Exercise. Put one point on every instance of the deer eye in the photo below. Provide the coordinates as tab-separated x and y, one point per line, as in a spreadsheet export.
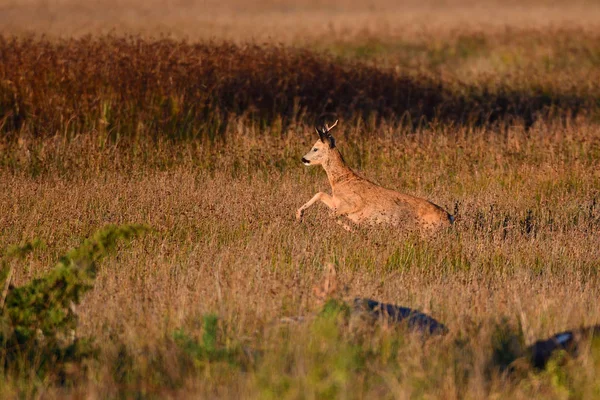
315	149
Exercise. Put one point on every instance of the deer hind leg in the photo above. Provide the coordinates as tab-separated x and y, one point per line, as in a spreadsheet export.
324	197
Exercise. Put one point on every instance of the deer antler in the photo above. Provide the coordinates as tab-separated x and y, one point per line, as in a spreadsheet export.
323	130
328	128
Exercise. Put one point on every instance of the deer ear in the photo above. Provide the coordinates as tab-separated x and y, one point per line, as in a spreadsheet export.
331	141
330	138
322	135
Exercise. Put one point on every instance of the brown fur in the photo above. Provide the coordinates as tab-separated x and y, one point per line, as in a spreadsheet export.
363	201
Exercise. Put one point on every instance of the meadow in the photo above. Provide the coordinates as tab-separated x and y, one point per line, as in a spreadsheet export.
192	121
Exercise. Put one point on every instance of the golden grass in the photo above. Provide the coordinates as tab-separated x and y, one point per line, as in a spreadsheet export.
226	242
106	130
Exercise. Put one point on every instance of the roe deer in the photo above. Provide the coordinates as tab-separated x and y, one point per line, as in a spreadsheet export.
363	201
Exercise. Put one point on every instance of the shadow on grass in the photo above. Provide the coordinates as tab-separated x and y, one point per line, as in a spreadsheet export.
129	86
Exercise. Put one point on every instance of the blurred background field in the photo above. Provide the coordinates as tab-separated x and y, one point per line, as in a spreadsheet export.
191	117
290	21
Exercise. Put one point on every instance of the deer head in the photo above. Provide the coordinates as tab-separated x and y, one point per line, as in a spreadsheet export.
320	151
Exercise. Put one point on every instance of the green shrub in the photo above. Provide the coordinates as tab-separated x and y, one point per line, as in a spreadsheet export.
37	320
209	348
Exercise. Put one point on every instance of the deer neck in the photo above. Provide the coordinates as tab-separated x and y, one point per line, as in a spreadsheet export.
337	170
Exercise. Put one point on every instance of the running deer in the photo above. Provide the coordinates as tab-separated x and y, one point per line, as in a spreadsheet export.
363	201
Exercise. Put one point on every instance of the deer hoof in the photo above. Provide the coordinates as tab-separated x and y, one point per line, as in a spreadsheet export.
299	214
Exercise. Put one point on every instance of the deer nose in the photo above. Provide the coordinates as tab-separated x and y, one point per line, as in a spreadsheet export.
305	161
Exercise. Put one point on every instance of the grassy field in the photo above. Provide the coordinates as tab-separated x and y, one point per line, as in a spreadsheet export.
491	111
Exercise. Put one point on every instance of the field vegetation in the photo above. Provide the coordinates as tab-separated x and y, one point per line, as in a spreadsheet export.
491	111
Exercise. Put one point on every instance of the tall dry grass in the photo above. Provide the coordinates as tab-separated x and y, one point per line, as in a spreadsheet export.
202	140
226	242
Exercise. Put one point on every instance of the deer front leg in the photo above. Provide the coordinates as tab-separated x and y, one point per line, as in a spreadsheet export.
324	197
